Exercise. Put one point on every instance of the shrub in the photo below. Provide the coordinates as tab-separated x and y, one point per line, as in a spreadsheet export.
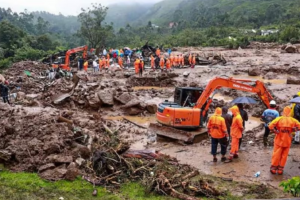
292	186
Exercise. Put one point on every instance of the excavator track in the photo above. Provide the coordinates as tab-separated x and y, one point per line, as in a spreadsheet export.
188	137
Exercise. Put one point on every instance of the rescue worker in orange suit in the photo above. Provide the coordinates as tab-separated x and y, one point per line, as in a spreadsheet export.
168	64
162	63
152	62
190	59
218	131
235	132
137	65
283	127
85	66
193	61
101	63
172	60
120	62
157	52
176	61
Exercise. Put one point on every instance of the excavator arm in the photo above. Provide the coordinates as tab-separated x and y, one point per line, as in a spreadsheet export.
237	84
75	50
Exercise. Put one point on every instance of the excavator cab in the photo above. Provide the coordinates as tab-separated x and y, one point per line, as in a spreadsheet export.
187	96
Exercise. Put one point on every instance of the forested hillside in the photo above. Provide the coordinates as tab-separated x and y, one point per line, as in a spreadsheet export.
230	23
205	13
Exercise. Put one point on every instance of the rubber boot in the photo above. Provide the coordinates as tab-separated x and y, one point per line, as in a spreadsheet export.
265	141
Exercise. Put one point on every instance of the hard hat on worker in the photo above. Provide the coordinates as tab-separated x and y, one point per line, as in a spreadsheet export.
272	102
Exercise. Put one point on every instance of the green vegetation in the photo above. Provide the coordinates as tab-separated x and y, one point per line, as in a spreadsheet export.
228	23
292	186
27	186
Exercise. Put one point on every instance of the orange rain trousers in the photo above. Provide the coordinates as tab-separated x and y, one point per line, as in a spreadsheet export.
234	146
280	155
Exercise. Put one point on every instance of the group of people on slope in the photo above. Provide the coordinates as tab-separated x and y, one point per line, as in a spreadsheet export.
224	128
159	61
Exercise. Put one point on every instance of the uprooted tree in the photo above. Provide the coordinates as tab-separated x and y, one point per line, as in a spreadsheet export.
93	28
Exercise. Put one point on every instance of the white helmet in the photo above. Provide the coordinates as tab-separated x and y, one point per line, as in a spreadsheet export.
273	102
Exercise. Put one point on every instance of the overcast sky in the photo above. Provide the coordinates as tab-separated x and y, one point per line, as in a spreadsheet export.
65	7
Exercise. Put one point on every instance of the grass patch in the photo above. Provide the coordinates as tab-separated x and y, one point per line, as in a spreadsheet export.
29	186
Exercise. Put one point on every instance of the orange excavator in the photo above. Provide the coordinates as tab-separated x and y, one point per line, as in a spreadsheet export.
190	106
64	61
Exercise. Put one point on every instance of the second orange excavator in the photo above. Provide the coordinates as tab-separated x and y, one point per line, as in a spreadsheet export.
64	61
190	106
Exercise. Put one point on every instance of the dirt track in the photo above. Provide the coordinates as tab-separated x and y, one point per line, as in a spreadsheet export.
105	98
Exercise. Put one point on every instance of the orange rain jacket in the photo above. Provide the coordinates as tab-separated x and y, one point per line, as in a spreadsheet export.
137	66
190	59
194	60
216	125
152	61
284	126
237	123
162	62
85	66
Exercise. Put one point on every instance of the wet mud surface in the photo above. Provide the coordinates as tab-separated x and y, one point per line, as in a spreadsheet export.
40	135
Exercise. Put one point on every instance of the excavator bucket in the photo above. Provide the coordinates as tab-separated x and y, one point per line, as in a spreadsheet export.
188	137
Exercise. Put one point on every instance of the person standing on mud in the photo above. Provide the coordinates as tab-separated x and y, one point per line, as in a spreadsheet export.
141	68
297	117
283	127
268	116
193	61
244	115
157	61
162	63
137	66
235	132
228	119
4	92
152	62
80	61
217	129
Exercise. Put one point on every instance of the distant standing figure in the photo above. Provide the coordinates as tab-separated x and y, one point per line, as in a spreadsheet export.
95	66
152	62
141	68
81	61
128	61
169	52
157	52
157	61
85	66
4	92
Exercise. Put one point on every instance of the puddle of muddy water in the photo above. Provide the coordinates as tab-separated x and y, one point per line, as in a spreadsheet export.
150	88
143	121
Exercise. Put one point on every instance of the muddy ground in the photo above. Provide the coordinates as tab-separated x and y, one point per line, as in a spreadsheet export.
53	124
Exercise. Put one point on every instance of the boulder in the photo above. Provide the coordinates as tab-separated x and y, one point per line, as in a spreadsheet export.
46	167
151	108
106	97
72	172
193	84
94	101
186	74
254	72
134	111
54	174
291	49
20	96
293	80
125	98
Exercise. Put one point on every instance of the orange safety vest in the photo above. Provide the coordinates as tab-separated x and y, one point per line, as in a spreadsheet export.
162	62
136	66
